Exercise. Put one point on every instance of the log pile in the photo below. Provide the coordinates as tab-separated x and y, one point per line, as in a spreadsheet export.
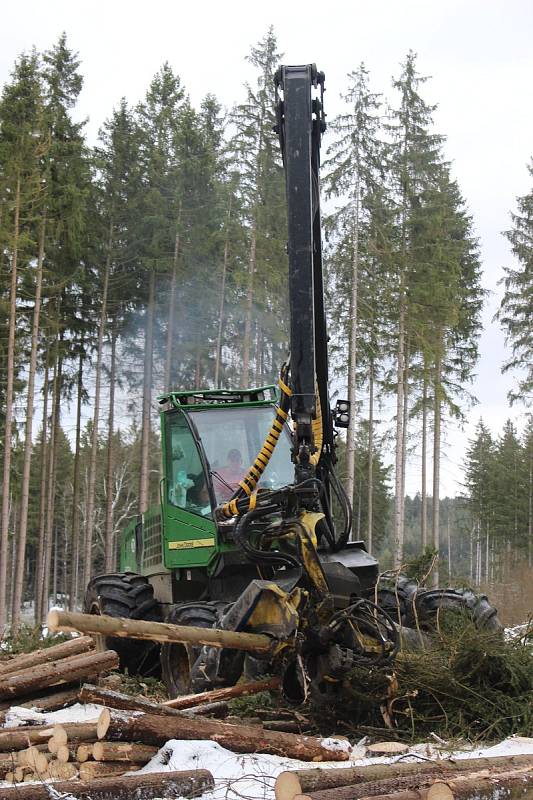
101	759
128	733
45	679
467	779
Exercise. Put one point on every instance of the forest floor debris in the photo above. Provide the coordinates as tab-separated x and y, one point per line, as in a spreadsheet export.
443	702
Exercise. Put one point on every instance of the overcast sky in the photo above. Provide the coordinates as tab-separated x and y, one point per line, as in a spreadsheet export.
478	53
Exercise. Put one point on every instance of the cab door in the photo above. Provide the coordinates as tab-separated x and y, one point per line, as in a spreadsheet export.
189	532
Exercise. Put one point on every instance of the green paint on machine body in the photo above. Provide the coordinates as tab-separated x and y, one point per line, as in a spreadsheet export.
201	432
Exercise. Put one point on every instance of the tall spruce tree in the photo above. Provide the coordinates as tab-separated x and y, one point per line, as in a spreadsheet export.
263	202
68	177
158	224
355	167
516	309
21	148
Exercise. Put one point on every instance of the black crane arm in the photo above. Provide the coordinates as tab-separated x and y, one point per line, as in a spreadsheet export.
300	125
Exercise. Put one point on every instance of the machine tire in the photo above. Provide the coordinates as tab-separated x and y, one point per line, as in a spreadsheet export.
177	659
415	607
126	594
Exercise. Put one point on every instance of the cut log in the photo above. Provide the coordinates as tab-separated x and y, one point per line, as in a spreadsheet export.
398	783
78	732
60	736
32	757
52	673
170	785
104	769
157	631
62	771
82	644
240	690
20	772
387	748
8	761
123	751
127	727
65	753
313	780
23	755
22	737
84	752
47	702
475	786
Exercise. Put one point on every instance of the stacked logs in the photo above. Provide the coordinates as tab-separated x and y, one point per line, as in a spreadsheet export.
77	755
96	758
38	679
467	779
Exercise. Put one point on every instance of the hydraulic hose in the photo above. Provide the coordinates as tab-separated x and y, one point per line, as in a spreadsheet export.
248	485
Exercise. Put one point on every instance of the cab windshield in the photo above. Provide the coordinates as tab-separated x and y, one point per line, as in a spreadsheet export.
232	438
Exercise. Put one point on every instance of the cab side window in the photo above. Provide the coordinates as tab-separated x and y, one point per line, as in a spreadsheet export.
186	484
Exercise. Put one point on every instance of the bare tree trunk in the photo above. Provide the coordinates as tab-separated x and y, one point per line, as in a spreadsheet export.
172	304
424	518
147	397
487	553
42	499
55	568
12	559
221	309
52	463
246	345
91	495
472	554
4	529
109	539
530	508
405	426
28	443
352	353
370	459
258	380
75	517
198	362
449	544
398	482
436	468
359	506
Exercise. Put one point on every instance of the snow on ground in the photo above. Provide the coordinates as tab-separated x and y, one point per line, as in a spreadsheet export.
251	776
17	715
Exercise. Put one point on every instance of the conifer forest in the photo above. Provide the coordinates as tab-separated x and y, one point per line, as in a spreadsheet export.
155	258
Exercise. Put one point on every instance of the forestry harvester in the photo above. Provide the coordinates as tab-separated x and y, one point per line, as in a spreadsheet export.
244	538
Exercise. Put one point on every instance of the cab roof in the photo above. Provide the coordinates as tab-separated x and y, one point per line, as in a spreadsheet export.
207	398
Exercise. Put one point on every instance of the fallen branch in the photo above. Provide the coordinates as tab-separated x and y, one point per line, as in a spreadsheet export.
240	690
125	702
